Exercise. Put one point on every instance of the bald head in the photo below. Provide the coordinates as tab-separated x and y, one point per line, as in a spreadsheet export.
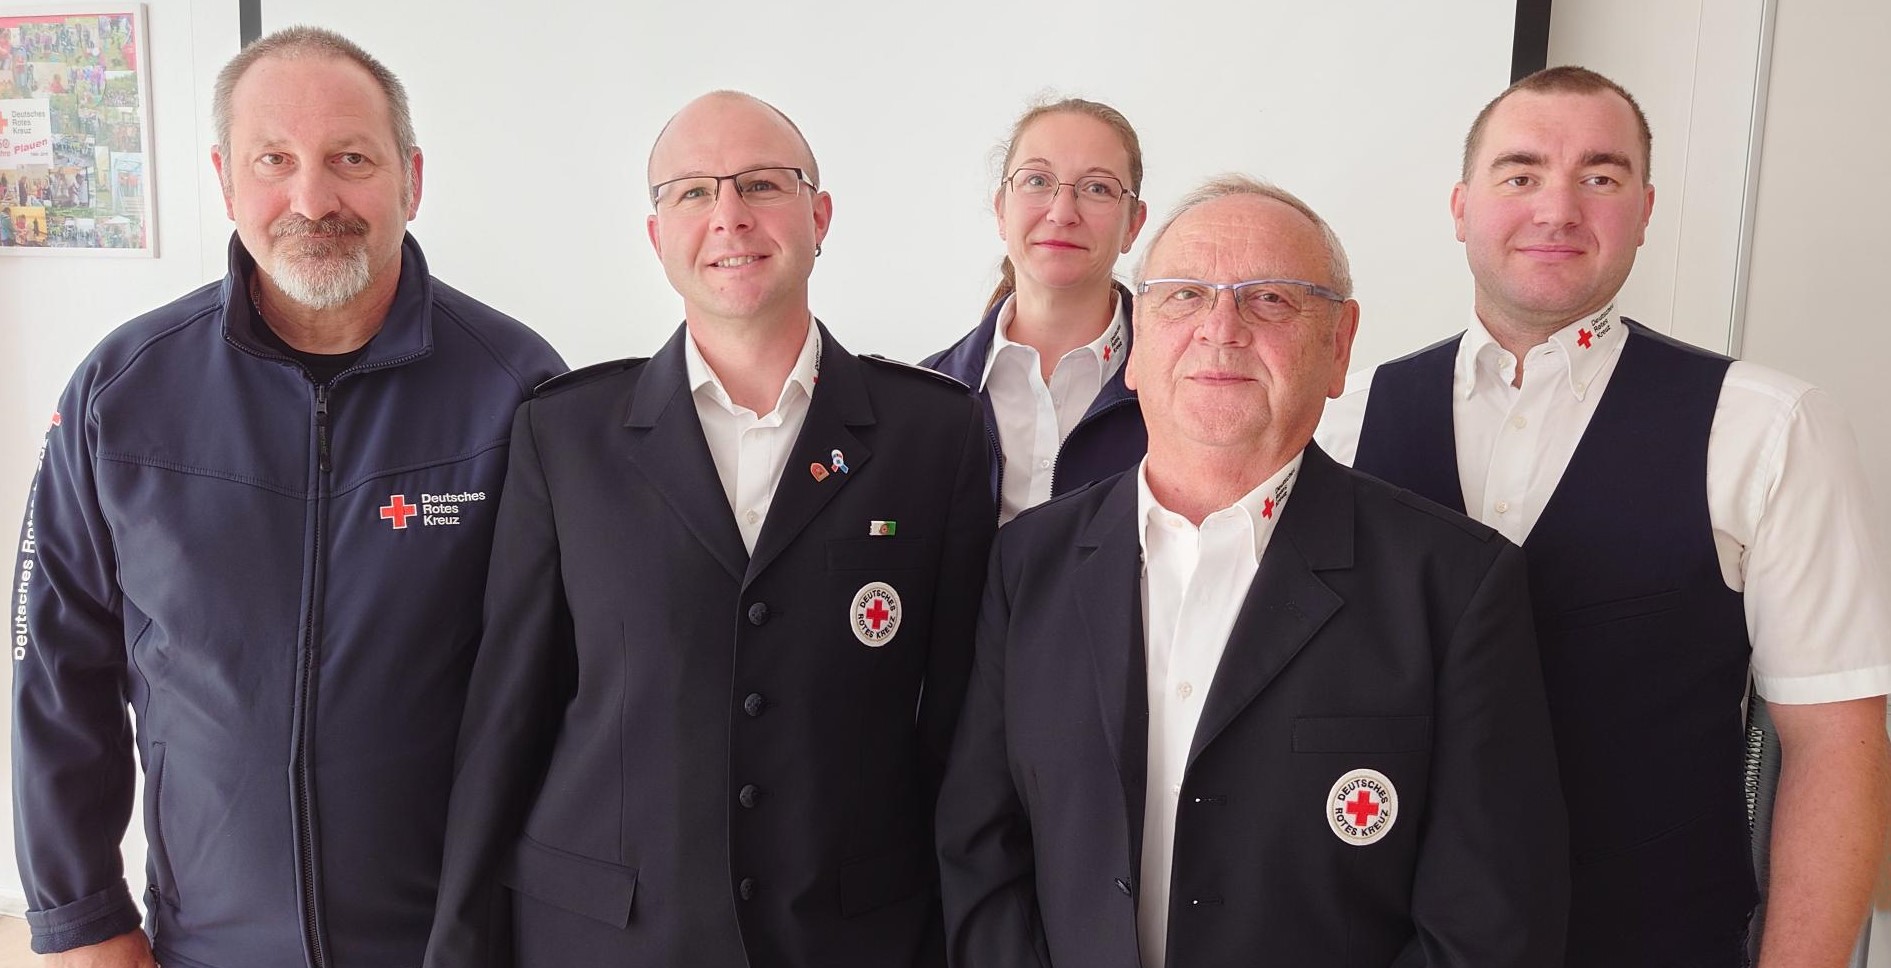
729	117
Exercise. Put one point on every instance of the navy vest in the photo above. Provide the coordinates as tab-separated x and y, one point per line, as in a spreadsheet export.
1645	649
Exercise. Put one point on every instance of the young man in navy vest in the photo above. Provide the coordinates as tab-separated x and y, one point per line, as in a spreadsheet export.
1692	524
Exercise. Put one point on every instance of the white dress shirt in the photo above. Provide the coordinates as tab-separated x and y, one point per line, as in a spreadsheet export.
1194	581
1034	417
1787	496
750	452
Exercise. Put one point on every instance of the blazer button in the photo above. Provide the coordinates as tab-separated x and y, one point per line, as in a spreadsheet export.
1123	885
746	889
753	704
749	795
758	614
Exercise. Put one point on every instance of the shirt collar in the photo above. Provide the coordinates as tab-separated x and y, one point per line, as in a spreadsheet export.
1107	347
1261	507
1583	346
805	374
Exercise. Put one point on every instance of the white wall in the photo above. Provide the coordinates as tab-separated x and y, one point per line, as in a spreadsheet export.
537	130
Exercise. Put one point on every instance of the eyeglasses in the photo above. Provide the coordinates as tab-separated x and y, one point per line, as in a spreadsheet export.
1039	187
1259	301
758	188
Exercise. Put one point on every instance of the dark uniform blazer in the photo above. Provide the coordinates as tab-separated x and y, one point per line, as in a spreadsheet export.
676	754
1381	633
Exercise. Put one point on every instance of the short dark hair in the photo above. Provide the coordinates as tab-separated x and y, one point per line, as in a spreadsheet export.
1567	79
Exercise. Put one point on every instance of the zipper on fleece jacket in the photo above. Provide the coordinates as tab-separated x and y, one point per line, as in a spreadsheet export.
305	702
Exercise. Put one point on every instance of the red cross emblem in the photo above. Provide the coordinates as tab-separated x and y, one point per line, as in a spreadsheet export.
874	614
398	511
1267	507
1106	354
1362	808
3	124
1582	338
55	412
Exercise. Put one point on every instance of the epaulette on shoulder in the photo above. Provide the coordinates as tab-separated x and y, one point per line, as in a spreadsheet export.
950	381
585	375
1416	501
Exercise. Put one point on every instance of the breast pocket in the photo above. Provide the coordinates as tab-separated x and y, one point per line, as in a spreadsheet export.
1616	610
886	584
1361	734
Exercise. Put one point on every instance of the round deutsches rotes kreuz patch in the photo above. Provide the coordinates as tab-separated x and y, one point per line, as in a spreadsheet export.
1362	807
875	614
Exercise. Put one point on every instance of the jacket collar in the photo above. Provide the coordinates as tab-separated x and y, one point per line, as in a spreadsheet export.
1285	606
964	361
669	447
406	333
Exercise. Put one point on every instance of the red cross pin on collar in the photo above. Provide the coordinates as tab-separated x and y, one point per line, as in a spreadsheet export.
1267	507
1582	338
397	511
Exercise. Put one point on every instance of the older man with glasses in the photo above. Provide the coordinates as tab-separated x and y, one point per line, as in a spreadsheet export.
731	616
1240	705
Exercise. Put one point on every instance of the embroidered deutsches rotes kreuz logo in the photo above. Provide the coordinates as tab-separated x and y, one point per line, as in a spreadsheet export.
435	510
1362	807
875	614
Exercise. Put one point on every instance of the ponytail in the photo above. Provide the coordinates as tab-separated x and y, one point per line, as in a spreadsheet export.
1007	284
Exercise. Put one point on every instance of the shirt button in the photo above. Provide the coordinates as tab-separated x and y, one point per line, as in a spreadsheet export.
1501	506
1176	790
1043	464
751	516
758	613
1185	690
1518	421
749	795
753	703
746	888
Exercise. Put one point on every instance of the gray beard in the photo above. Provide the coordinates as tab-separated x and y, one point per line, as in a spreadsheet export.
323	280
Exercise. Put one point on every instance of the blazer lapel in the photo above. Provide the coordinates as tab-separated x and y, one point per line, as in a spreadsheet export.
1287	603
840	403
667	445
1109	570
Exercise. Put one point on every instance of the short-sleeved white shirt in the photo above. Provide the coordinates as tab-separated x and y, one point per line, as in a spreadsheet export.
1791	509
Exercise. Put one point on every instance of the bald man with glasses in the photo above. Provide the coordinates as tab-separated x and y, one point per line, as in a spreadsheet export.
731	617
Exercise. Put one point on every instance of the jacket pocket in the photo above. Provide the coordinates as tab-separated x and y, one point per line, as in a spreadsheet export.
163	879
594	888
1361	734
877	880
1615	610
879	554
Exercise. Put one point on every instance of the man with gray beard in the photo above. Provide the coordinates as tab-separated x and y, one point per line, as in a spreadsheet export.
259	531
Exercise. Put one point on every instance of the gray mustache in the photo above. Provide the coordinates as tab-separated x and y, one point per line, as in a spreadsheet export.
296	226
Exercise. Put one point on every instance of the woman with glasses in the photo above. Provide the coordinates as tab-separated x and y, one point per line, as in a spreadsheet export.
1048	357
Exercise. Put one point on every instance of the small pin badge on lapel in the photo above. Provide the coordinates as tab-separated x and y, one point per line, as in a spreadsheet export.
882	529
819	470
840	462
